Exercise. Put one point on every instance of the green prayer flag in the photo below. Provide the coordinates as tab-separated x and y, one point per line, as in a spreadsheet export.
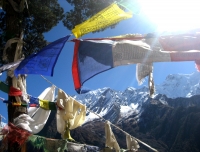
52	106
4	87
48	105
48	144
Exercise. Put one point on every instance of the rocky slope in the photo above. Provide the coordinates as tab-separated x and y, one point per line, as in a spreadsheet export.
166	127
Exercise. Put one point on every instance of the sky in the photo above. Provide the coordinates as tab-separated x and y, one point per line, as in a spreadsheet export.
118	78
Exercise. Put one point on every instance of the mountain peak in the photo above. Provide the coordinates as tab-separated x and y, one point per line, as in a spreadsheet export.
180	85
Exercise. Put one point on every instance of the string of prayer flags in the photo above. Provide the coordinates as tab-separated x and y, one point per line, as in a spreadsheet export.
108	16
131	5
34	102
93	56
44	61
15	103
45	104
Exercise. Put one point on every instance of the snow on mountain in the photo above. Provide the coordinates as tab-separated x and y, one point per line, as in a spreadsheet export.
180	85
112	104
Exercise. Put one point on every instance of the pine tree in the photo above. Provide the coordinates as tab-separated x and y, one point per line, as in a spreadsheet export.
83	10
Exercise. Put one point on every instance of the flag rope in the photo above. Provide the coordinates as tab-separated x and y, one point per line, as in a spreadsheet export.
110	122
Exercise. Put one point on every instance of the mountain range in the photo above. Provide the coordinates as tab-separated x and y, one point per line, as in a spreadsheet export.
168	122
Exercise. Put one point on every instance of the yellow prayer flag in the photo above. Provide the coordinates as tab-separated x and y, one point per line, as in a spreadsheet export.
108	16
44	104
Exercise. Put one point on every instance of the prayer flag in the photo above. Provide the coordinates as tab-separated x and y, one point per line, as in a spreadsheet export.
92	57
10	65
34	102
4	87
180	42
108	16
44	61
48	105
14	92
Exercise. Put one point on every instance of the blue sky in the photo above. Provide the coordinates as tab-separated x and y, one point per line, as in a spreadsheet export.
118	78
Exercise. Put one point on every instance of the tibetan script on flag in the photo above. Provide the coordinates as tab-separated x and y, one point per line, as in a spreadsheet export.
108	16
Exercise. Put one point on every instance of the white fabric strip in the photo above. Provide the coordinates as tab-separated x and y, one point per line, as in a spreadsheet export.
110	137
133	52
39	115
69	111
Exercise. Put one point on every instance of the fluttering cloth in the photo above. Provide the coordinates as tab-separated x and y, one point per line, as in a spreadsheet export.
44	61
40	115
92	57
95	56
131	143
70	114
110	137
23	121
142	69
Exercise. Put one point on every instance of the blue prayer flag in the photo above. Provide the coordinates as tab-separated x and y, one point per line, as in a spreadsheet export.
34	102
92	57
44	61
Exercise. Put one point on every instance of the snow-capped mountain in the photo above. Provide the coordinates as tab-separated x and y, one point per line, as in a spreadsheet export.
180	85
115	104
